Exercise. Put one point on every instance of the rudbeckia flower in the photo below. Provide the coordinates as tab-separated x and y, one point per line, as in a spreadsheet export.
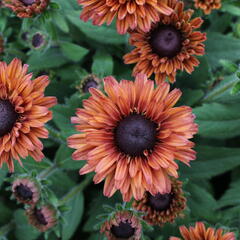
132	136
23	112
170	45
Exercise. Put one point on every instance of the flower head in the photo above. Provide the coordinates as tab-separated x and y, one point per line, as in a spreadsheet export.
207	6
26	8
26	191
89	81
169	45
199	232
23	112
124	225
129	14
42	218
38	40
162	208
131	137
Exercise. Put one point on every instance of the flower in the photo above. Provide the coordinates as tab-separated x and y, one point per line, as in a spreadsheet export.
162	208
207	5
199	232
124	225
169	45
131	137
89	81
129	14
42	218
23	112
26	8
26	191
38	40
1	44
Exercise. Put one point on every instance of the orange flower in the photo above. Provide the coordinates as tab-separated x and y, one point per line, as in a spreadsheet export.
162	208
129	14
42	218
207	5
199	232
131	137
26	8
124	225
169	45
23	112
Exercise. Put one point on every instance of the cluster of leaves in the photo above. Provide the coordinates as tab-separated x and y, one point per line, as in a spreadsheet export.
75	49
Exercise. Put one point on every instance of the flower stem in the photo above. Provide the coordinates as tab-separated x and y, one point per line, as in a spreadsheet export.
47	172
80	187
55	135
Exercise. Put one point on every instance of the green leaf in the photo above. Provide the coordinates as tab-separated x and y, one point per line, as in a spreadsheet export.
102	64
73	217
201	202
223	49
103	34
211	161
231	197
218	120
236	89
45	60
23	229
73	51
64	159
60	21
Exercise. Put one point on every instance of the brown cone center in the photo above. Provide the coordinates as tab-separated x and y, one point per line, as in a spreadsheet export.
40	217
89	83
134	134
37	40
160	202
27	2
24	192
123	231
8	117
166	41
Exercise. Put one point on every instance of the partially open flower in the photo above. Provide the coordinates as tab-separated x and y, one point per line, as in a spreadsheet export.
24	110
42	218
124	225
132	136
1	44
200	232
26	191
169	45
128	14
208	5
26	8
89	81
162	208
38	40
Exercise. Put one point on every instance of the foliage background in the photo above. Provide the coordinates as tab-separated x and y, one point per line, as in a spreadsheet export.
73	50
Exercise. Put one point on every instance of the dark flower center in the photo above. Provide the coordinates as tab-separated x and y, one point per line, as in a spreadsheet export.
37	40
8	117
27	2
124	230
134	134
40	217
89	83
24	192
166	41
160	202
